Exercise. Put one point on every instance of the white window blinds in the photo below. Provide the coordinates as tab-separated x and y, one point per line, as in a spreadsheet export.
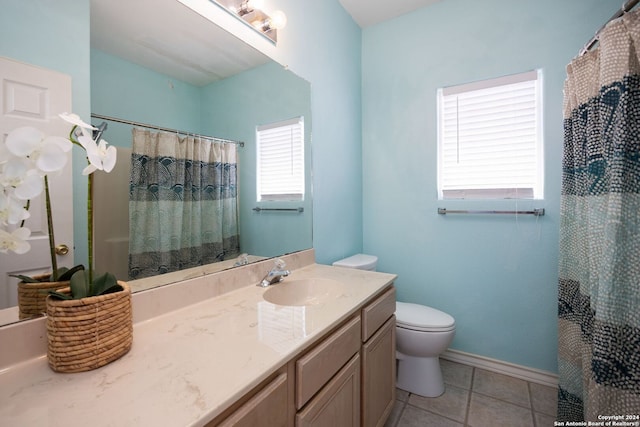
280	160
489	138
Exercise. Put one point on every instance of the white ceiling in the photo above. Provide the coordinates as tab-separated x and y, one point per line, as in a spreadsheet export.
197	51
370	12
145	32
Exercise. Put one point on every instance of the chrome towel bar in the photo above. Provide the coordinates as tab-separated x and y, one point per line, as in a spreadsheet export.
300	209
535	212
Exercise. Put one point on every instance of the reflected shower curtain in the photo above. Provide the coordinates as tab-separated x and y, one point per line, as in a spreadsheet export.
599	269
182	203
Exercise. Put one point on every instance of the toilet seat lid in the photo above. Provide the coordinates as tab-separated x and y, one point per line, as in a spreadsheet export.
359	261
421	317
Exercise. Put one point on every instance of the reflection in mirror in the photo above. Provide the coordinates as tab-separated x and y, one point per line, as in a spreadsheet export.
180	204
175	69
178	70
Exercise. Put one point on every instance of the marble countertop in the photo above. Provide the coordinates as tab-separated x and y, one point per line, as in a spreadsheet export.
185	366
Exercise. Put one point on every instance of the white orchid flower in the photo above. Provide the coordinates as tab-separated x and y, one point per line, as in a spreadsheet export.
15	241
12	211
48	153
74	119
101	156
25	182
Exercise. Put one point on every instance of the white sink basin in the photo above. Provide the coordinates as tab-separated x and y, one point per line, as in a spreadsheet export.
303	291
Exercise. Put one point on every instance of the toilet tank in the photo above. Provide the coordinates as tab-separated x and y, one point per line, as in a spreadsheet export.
359	261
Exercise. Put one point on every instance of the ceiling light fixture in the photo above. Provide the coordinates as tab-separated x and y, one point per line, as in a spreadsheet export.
248	6
276	21
251	11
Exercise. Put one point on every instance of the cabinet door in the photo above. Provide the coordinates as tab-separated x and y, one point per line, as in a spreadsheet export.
267	408
379	375
338	403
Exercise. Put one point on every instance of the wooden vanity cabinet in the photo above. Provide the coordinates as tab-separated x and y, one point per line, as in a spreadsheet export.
267	405
328	380
379	375
346	379
338	403
335	404
378	359
318	366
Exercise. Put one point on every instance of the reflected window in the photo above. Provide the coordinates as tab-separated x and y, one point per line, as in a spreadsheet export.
280	160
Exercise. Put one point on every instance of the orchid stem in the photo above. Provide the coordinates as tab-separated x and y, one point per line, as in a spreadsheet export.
26	208
52	244
90	225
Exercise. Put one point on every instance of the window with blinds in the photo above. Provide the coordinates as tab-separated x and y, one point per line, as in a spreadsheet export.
490	139
280	161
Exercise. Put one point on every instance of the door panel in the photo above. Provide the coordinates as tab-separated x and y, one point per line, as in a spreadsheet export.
33	96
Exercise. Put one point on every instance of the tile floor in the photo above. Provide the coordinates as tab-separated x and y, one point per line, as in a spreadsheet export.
475	397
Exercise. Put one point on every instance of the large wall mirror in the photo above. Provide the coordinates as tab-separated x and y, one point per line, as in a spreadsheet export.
157	62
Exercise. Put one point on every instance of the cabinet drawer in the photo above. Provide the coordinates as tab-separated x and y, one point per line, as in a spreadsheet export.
314	369
375	314
267	408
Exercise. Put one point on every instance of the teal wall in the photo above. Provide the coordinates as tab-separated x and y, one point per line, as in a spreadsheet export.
497	275
55	35
125	90
122	89
322	44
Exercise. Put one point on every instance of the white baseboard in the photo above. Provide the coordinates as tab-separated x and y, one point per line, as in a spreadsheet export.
525	373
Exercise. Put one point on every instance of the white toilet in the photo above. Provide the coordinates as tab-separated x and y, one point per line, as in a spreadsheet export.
422	334
359	261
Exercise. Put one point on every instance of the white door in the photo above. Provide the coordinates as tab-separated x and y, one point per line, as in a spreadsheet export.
32	96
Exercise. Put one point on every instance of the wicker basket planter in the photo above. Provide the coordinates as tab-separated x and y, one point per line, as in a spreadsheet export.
32	296
88	333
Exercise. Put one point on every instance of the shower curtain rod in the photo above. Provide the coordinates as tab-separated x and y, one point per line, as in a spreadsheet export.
143	125
626	7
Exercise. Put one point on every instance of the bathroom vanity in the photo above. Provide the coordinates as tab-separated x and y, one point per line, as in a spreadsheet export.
347	378
231	358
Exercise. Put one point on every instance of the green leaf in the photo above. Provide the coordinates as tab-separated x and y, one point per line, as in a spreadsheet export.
81	288
59	295
25	279
55	276
105	284
65	273
112	289
80	284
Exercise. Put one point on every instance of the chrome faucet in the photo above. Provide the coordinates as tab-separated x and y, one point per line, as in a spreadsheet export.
243	259
275	275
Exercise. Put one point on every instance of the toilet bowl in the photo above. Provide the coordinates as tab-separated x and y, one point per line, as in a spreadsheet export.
422	334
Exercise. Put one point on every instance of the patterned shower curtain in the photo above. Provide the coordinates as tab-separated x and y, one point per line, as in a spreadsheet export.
182	203
599	269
